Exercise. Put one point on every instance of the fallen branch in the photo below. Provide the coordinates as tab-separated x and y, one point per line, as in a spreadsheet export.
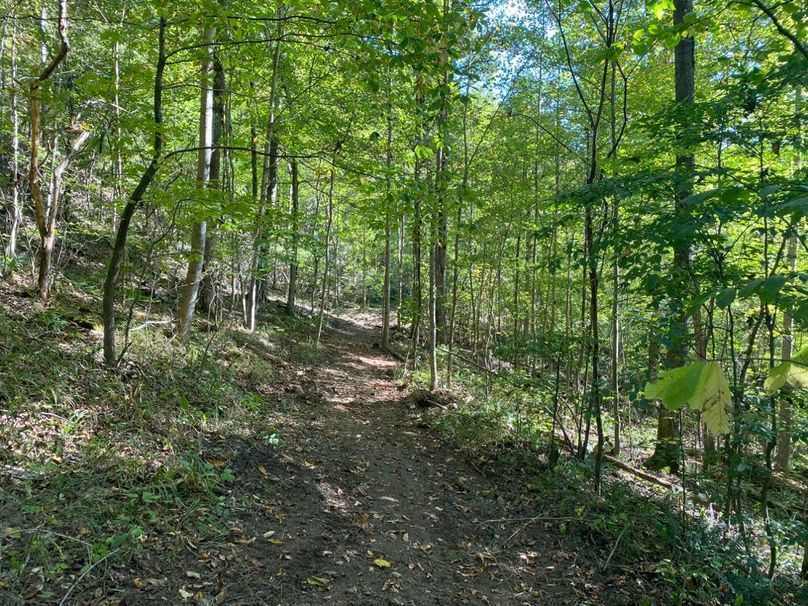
614	548
398	356
649	477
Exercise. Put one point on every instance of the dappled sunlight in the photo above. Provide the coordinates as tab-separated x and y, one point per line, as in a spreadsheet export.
334	496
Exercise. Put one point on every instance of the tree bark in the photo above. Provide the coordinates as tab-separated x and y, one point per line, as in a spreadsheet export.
294	196
388	223
208	286
327	256
786	406
16	211
119	248
270	147
666	452
199	229
45	214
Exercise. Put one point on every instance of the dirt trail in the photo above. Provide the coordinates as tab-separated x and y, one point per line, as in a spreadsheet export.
362	505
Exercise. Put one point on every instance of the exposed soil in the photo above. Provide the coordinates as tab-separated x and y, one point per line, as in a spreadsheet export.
361	504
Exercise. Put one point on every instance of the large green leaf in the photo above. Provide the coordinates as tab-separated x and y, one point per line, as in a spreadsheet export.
702	387
793	371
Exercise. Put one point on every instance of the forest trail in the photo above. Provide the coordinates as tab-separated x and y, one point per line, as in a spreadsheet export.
363	505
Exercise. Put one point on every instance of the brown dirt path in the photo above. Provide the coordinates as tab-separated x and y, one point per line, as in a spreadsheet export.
358	484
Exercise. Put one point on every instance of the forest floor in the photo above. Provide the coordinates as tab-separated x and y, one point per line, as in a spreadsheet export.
322	483
363	505
264	469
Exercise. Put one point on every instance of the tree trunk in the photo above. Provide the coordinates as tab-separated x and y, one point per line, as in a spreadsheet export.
432	301
327	256
388	223
16	211
270	149
294	195
786	406
615	369
199	229
666	453
119	248
45	214
208	286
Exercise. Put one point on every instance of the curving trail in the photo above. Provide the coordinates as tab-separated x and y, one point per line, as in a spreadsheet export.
363	505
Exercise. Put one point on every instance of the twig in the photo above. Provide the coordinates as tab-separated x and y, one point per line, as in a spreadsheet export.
533	519
614	548
85	573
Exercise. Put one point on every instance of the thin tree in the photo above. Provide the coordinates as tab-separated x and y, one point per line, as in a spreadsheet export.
135	199
666	452
46	208
294	196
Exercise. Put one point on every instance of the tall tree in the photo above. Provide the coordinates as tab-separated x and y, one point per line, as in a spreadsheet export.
46	207
199	228
666	453
134	201
294	264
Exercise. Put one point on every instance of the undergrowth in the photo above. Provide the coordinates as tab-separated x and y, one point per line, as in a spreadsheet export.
691	553
98	464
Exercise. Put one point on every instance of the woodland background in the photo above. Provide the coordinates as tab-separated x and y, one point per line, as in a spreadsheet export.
583	223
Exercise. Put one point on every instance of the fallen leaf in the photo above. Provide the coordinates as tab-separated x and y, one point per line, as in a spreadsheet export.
381	563
317	582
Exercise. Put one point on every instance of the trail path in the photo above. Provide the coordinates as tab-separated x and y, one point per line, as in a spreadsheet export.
363	505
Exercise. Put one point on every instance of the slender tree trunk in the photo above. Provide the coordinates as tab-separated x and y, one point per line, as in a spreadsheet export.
119	248
388	223
615	369
786	406
16	211
417	292
327	256
208	286
118	160
294	195
48	238
45	214
432	302
199	229
402	227
666	453
269	161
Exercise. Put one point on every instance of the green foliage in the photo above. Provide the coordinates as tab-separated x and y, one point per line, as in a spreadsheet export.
793	371
702	387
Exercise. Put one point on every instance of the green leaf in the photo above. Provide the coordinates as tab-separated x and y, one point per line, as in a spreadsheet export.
771	286
701	387
725	297
793	371
422	152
